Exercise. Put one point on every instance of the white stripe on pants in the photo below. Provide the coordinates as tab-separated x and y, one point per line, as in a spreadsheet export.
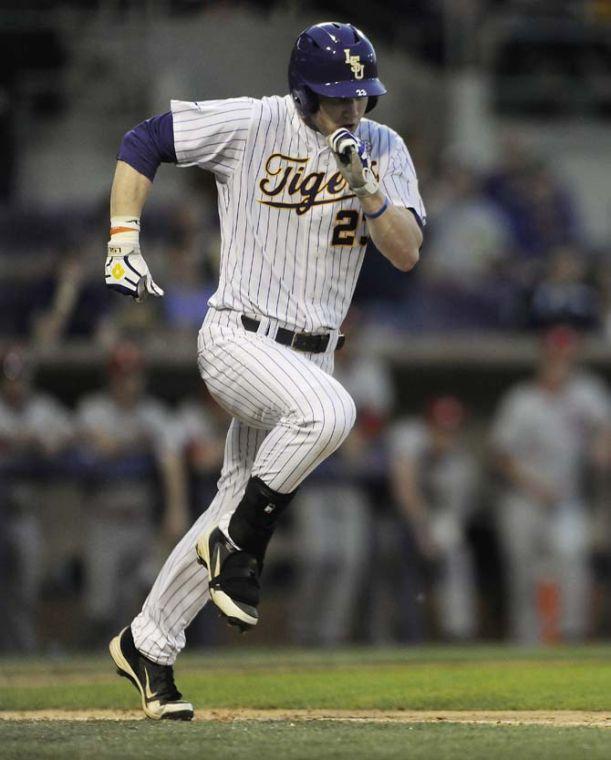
289	414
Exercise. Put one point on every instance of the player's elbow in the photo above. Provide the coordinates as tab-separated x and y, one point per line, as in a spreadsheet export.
407	259
408	246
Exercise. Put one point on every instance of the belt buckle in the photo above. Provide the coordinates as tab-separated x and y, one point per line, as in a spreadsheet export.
321	341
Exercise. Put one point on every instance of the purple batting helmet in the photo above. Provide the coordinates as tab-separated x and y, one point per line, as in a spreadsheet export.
336	61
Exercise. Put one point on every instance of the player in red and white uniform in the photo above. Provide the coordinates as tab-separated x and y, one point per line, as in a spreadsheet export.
546	431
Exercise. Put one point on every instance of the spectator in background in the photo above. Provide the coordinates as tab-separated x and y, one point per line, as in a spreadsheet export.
200	427
541	211
434	479
65	298
466	252
20	278
190	272
333	509
332	519
546	431
70	303
128	442
186	291
34	431
603	278
564	296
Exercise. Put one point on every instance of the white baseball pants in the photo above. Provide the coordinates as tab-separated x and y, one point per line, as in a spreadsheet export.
289	414
545	544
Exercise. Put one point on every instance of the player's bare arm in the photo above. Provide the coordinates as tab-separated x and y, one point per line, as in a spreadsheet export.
395	233
126	270
412	503
393	229
176	516
129	192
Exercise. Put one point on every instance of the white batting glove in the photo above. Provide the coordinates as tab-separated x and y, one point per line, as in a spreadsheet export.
353	161
127	272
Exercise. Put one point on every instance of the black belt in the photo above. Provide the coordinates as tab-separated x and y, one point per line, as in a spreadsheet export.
312	343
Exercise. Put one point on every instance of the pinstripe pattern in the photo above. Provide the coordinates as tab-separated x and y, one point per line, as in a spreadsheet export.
279	196
307	412
181	590
278	260
289	415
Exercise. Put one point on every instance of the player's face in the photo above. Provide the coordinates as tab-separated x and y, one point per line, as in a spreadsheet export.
15	391
555	372
334	113
127	388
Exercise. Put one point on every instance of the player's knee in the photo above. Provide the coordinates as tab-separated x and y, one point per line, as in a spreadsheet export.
334	421
350	413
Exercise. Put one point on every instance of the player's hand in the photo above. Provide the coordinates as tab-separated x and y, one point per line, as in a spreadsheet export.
127	272
537	488
427	546
353	161
544	493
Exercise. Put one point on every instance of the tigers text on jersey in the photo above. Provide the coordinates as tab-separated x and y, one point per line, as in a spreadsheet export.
293	234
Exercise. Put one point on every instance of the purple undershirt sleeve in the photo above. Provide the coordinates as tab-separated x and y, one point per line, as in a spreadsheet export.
149	144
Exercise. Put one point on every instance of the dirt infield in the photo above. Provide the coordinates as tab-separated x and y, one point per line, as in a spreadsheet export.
561	718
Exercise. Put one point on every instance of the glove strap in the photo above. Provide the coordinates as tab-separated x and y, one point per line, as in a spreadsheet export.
369	188
124	229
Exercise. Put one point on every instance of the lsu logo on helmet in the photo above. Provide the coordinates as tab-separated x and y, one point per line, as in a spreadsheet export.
354	61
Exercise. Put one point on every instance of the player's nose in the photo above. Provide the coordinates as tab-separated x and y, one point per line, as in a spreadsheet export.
351	106
350	112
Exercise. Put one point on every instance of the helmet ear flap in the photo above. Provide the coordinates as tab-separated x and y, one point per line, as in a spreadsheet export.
371	103
305	100
313	101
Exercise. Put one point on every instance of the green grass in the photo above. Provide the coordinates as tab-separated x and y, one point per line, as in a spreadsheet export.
436	678
465	678
243	741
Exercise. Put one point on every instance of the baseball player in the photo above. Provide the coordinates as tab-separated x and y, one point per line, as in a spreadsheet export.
303	181
434	480
333	507
546	432
125	434
34	430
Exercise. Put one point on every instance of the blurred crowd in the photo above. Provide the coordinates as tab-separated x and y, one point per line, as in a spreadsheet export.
505	250
448	523
442	524
416	529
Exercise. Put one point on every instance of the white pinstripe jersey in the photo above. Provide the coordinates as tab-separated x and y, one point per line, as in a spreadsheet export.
293	235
